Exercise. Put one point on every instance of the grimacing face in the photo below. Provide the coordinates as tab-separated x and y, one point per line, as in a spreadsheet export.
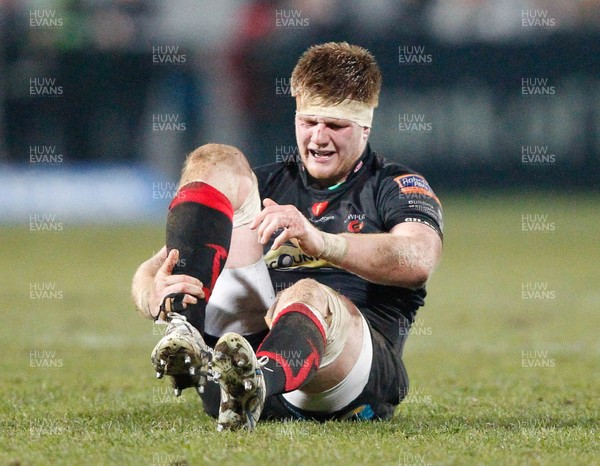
329	147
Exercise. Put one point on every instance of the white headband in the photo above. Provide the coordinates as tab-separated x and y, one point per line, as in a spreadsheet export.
352	110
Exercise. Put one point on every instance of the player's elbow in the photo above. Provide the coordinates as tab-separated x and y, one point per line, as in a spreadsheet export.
416	278
414	274
416	264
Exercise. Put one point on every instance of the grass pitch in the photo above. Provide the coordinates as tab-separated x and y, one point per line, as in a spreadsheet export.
504	359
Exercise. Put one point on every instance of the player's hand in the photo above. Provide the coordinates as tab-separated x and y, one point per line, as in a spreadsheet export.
165	283
294	227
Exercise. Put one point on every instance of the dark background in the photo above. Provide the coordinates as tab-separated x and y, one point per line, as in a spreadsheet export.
232	84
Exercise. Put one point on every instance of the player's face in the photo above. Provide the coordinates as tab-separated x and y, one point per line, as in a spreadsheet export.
329	147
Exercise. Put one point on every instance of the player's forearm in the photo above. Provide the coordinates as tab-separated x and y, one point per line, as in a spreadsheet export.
384	258
142	284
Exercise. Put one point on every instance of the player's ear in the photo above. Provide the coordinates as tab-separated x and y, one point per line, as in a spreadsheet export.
366	132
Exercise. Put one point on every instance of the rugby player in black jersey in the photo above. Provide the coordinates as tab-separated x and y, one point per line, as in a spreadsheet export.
347	238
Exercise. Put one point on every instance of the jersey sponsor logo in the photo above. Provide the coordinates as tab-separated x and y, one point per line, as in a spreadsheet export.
415	184
318	208
420	220
355	226
290	257
321	219
355	222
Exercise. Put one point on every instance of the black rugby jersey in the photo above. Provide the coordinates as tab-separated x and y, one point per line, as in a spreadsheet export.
377	195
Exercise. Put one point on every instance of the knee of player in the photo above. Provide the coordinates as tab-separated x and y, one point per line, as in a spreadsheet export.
306	291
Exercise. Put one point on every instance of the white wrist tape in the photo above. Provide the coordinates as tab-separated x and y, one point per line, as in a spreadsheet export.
334	249
250	208
142	302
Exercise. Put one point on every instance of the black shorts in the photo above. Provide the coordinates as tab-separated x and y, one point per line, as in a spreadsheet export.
386	387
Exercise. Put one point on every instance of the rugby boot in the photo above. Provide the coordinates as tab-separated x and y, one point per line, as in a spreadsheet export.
182	354
235	368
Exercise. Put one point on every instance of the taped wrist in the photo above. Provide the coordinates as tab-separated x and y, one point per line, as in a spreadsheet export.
334	249
142	302
250	208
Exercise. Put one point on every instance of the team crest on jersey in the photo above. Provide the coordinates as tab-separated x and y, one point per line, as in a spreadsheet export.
318	208
415	184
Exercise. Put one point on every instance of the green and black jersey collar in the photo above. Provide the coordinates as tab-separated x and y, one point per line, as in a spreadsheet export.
363	160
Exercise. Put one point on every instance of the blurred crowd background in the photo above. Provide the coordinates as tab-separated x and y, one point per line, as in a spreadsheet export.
138	84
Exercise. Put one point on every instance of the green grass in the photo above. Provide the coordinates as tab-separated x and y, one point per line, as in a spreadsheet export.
471	399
